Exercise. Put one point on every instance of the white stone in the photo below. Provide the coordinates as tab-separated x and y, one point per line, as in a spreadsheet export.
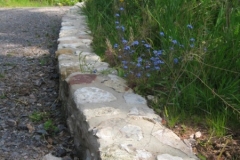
50	157
167	137
198	134
132	132
132	98
68	63
168	157
117	83
100	112
143	154
92	95
128	147
134	111
105	133
113	152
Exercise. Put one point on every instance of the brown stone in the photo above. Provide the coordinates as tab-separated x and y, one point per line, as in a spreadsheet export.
82	78
64	51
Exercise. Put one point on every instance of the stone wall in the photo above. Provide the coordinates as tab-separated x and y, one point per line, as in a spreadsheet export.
107	120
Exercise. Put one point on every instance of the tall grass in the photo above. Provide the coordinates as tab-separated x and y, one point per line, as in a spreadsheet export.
184	52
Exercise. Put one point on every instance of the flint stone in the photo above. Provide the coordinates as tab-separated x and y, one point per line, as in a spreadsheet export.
117	83
100	112
132	132
92	95
143	154
168	157
50	157
11	122
166	136
132	98
113	152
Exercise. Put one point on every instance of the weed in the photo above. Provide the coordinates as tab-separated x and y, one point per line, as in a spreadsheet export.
3	96
2	75
43	61
49	126
38	116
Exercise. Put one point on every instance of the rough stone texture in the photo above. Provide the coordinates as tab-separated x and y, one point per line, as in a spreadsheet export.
108	121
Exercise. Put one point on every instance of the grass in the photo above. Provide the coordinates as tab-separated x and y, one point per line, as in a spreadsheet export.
38	116
36	3
2	75
184	53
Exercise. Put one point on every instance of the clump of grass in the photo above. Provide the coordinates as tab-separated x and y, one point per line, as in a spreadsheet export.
49	126
2	75
185	53
38	116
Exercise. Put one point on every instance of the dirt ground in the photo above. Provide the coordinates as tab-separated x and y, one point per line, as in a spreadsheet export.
31	122
208	146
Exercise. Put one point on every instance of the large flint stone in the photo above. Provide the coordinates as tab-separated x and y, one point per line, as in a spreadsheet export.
132	132
168	157
166	136
92	95
117	83
132	98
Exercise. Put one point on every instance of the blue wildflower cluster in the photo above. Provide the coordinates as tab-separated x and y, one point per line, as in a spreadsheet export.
138	58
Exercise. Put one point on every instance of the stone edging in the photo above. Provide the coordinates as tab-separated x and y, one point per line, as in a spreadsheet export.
107	120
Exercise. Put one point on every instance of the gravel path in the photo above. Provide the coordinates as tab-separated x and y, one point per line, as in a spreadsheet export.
31	123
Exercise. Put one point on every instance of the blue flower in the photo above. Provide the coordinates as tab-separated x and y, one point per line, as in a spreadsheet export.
138	65
157	53
132	51
135	43
174	41
125	67
121	8
116	22
175	60
117	15
189	26
124	62
139	59
123	28
181	45
138	75
117	27
192	39
157	67
127	48
148	74
162	34
115	45
191	45
124	41
147	45
147	66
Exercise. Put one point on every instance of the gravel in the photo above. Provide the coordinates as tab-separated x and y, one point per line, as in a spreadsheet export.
31	122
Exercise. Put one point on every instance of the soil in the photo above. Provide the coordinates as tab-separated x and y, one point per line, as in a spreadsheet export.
31	122
208	146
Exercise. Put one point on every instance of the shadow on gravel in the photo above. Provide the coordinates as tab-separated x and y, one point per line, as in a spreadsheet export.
31	122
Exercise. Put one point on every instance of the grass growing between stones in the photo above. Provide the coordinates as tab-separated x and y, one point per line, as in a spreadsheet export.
184	53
